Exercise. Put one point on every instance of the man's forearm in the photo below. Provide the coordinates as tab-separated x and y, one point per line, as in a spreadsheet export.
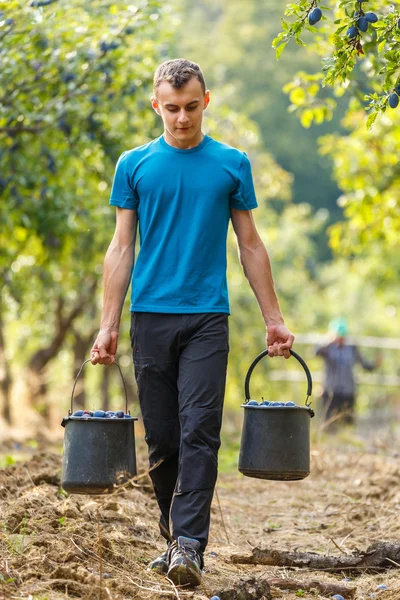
257	268
118	265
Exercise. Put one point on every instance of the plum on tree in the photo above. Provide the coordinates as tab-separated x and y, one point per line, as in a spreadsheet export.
371	17
362	24
352	32
314	16
393	100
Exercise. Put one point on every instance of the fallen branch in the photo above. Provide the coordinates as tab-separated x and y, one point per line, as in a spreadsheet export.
260	587
324	587
380	555
252	589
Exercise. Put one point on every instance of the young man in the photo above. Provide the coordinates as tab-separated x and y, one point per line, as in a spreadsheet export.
183	188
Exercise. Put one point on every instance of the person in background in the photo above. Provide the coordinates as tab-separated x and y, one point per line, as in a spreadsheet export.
339	390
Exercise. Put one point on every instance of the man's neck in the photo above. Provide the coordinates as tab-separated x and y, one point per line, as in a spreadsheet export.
183	144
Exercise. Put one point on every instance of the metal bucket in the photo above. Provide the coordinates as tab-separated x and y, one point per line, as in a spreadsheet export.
98	452
276	439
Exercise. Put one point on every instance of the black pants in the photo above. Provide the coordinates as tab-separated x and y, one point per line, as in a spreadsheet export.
336	403
180	367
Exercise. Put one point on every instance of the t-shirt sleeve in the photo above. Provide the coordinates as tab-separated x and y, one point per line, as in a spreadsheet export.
122	192
244	197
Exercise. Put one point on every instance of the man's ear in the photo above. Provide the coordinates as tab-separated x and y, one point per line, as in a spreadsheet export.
155	105
206	99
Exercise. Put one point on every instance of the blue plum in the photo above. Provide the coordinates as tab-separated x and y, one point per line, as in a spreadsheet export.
252	403
393	100
362	24
78	413
215	598
68	77
352	32
314	16
397	89
290	404
99	413
337	597
371	17
128	417
276	404
120	414
265	403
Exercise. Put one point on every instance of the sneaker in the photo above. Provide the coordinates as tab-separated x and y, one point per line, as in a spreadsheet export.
185	562
160	564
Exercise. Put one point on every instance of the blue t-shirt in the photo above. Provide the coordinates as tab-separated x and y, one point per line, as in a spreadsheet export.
183	200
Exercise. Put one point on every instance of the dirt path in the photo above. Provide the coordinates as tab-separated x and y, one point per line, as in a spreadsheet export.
53	546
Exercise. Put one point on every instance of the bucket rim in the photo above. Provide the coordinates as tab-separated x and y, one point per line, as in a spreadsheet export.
101	419
285	408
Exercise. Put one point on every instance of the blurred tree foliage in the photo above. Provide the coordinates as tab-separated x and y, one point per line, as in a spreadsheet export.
74	83
366	167
359	43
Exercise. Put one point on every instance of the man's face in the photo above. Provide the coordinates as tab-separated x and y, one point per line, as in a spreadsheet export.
181	109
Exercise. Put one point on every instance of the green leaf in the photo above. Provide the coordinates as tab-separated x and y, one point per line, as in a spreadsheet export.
371	119
280	49
306	118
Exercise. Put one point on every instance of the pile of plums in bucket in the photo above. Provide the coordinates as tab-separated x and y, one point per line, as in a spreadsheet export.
109	414
267	403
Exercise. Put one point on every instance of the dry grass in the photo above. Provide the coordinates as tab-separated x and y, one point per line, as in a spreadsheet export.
55	546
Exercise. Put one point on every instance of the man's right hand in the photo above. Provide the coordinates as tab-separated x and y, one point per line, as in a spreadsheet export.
105	348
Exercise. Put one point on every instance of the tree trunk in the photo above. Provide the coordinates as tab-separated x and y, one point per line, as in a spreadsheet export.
5	374
81	349
36	367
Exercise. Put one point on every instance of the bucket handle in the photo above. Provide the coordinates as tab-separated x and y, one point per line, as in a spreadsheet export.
265	353
71	410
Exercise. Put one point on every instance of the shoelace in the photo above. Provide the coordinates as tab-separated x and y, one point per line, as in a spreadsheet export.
189	552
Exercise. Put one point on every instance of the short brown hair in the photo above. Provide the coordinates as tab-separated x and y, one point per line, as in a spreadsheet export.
178	72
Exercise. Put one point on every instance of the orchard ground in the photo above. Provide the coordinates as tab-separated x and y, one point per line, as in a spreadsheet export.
55	546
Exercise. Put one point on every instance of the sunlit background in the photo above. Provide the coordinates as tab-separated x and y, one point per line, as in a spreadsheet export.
75	85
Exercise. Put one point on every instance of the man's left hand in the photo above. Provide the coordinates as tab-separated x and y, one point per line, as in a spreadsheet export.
279	340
